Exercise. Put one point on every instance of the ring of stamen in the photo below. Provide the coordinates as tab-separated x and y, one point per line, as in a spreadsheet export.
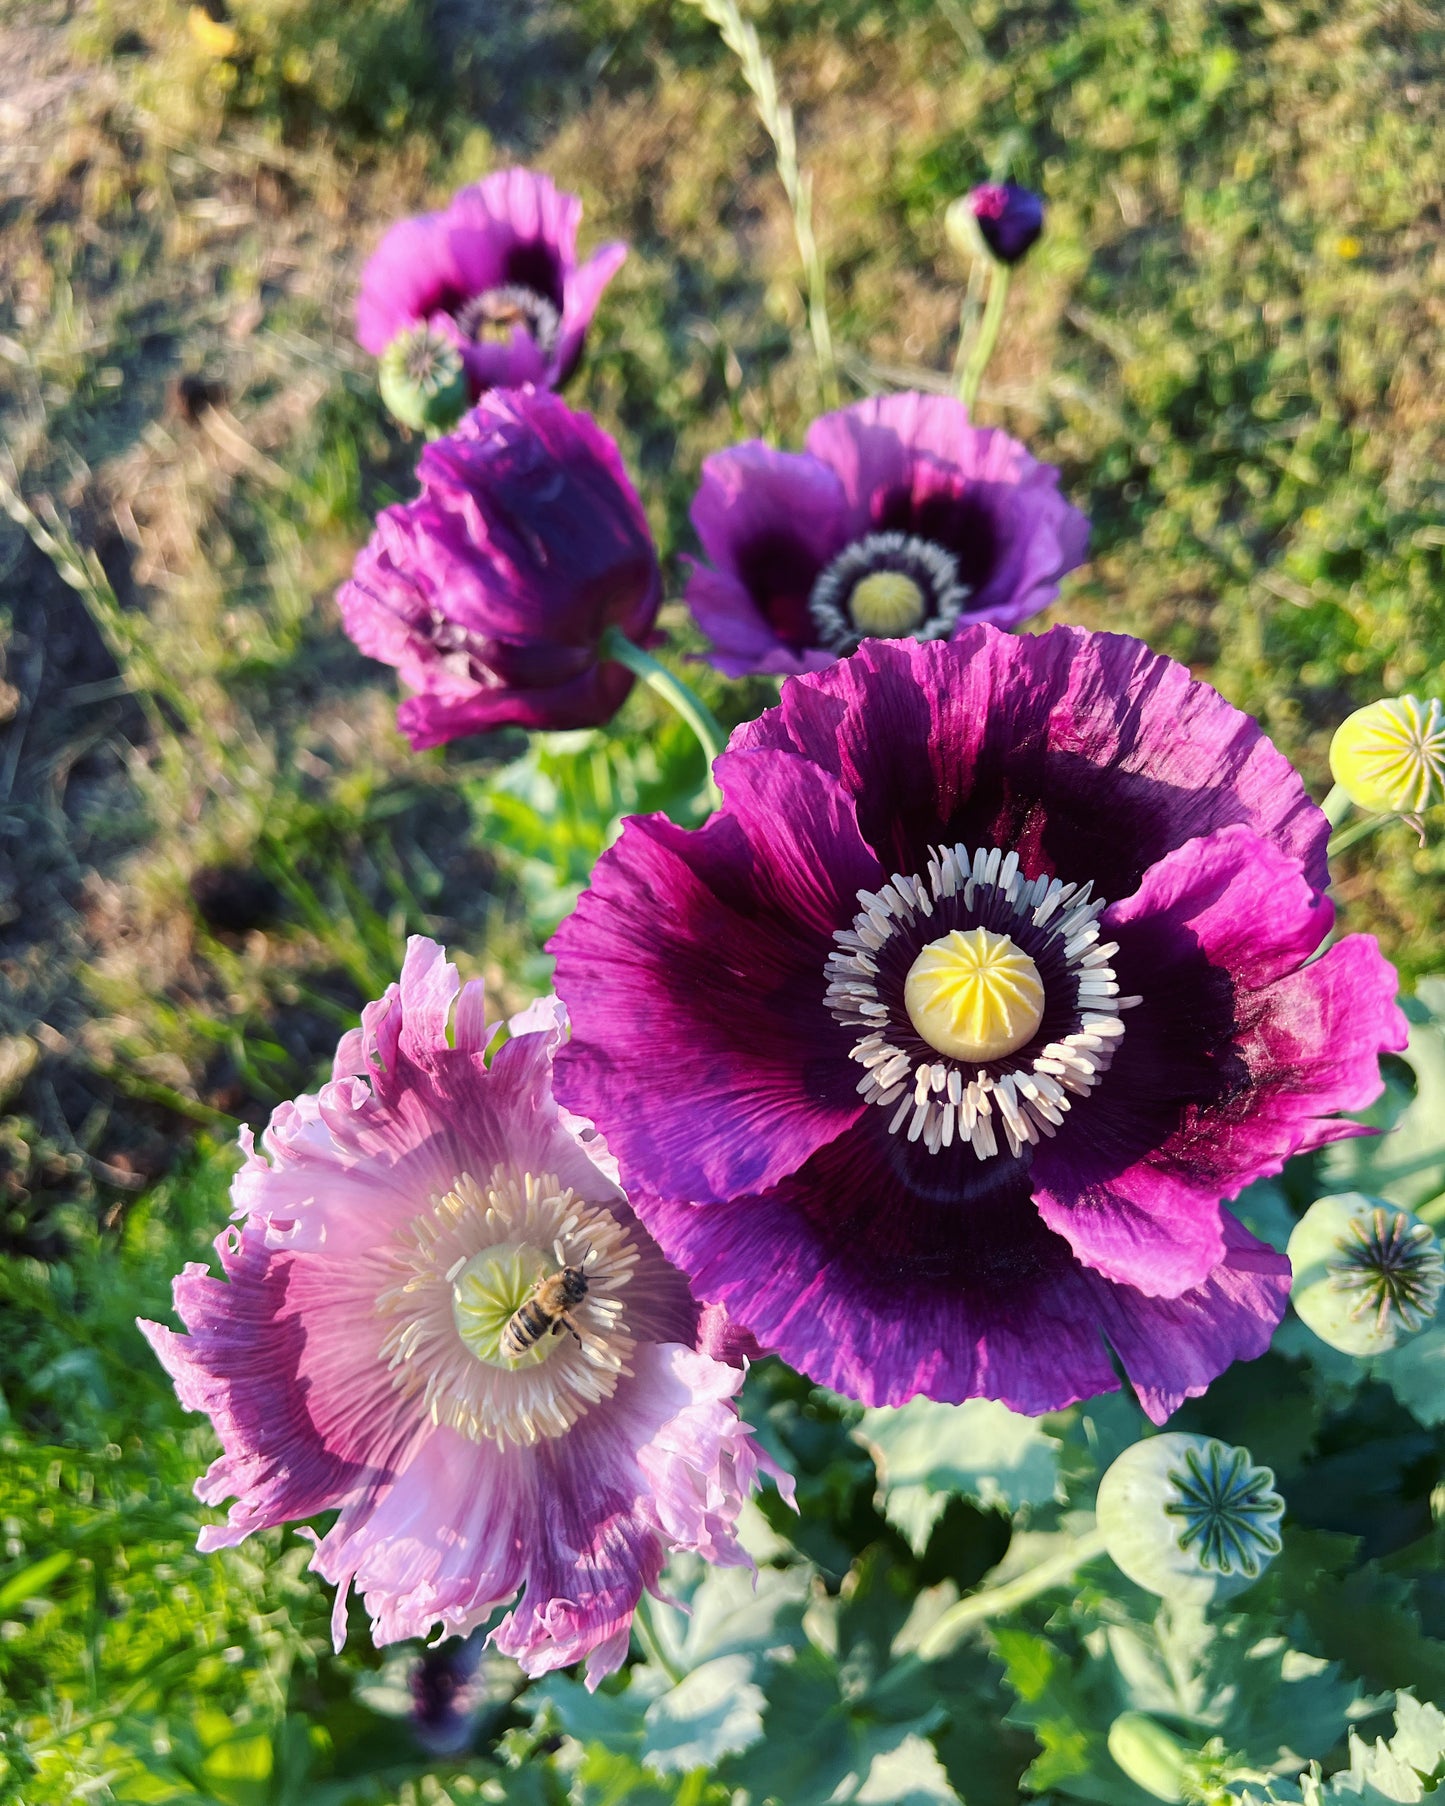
494	314
887	585
1018	1088
465	1266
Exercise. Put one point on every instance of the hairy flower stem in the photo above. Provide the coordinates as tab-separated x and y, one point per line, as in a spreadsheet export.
968	383
995	1601
741	38
673	691
652	1644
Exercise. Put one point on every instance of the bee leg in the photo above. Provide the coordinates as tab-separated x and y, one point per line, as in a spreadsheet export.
564	1321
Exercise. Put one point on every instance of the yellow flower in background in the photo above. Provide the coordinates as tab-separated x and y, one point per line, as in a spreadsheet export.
214	36
1348	248
1390	755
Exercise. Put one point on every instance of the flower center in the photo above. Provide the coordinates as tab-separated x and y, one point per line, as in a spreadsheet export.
495	314
974	995
887	604
478	1330
487	1294
1395	1267
1228	1508
887	585
987	1000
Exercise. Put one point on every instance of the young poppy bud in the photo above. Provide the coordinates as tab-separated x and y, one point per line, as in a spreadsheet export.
1009	218
1367	1275
1152	1758
422	381
1389	757
1190	1518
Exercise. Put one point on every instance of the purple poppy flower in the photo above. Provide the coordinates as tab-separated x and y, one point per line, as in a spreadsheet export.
361	1351
900	519
932	1056
490	591
1009	218
496	271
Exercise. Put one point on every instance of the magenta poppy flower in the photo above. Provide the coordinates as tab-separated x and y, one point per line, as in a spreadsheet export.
360	1352
899	520
1010	218
490	592
933	1055
496	271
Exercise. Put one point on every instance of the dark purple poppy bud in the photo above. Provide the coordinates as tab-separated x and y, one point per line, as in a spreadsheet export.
1009	218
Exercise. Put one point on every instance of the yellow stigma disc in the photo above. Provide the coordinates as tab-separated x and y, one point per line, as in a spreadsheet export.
886	605
974	995
1390	756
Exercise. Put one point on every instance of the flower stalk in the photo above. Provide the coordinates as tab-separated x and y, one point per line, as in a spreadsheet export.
694	711
995	1601
983	345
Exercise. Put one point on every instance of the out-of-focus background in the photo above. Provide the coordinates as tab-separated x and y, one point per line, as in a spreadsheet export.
212	840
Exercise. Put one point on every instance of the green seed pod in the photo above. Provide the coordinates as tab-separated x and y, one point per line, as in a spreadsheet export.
1390	756
1189	1518
422	380
1150	1756
1367	1275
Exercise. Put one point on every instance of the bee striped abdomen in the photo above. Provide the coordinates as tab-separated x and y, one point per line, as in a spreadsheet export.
546	1307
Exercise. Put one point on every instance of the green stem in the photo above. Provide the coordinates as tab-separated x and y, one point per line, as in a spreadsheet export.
1336	806
673	691
993	1602
652	1644
988	332
1346	837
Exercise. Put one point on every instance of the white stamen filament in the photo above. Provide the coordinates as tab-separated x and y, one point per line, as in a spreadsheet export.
936	1102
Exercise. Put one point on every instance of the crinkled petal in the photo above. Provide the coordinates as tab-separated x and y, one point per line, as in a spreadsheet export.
869	1284
297	1430
693	972
581	1524
1086	752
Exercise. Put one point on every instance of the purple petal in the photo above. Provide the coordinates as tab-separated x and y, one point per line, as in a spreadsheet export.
872	1285
409	276
583	292
1089	754
769	521
692	970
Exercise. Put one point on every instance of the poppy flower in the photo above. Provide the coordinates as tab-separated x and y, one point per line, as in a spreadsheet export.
933	1056
899	519
496	272
490	592
1009	218
360	1352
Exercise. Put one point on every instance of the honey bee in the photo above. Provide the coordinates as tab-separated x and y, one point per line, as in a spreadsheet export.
547	1307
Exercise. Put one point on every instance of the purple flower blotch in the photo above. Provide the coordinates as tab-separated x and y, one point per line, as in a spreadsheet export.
900	489
332	1360
490	592
496	271
1010	218
894	1219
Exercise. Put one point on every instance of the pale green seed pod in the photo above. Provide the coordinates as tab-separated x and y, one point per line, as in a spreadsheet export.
1152	1758
422	380
1389	757
1367	1274
1190	1518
